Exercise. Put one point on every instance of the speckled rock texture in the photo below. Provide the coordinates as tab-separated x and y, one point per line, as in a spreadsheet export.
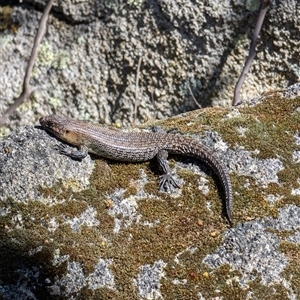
98	229
33	162
87	63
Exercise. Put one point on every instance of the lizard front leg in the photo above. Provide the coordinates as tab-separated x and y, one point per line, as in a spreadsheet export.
71	152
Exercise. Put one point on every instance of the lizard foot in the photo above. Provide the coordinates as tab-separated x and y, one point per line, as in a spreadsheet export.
167	182
63	149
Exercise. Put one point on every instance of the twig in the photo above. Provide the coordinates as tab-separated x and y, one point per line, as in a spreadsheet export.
197	103
137	89
263	10
27	90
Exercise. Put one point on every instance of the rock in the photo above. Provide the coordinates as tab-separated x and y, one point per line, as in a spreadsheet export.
98	229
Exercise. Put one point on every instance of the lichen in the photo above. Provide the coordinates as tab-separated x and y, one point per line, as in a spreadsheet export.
253	5
48	57
61	60
45	55
169	243
135	2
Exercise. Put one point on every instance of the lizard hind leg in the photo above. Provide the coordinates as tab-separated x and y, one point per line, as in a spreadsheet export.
167	182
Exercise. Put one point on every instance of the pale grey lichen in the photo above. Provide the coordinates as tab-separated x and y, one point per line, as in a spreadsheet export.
296	156
252	250
102	276
61	59
88	218
76	278
149	278
72	282
45	55
273	198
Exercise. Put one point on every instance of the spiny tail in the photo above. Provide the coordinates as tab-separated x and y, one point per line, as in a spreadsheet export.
193	148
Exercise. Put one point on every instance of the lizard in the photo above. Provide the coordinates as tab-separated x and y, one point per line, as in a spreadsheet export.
134	147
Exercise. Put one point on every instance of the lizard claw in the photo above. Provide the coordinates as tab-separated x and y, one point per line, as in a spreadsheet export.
71	152
63	149
167	182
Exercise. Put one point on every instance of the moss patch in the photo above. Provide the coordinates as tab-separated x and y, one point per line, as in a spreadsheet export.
180	231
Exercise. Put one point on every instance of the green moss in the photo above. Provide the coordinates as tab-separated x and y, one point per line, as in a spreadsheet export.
264	292
177	224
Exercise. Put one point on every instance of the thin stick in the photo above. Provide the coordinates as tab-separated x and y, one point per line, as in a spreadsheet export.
137	89
27	90
197	103
264	7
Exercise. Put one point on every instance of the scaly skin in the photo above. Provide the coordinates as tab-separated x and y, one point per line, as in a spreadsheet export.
134	147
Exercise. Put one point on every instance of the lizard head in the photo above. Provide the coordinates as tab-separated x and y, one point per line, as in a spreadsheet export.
57	125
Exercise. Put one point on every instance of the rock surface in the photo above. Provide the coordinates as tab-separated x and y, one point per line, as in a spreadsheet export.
87	62
98	229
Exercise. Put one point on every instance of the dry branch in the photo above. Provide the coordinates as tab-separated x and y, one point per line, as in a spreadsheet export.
27	90
264	7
